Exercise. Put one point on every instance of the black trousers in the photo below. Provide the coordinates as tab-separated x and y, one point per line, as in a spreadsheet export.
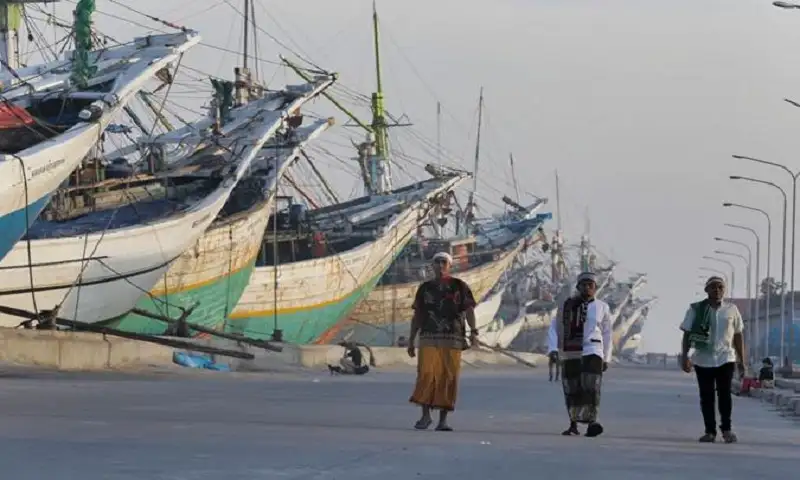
710	380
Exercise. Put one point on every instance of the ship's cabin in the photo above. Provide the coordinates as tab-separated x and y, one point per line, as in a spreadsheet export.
297	233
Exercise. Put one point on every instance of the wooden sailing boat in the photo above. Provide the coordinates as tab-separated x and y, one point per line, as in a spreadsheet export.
205	282
95	264
313	272
623	323
53	114
203	285
480	258
627	344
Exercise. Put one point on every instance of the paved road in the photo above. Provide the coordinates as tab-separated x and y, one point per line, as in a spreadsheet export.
307	426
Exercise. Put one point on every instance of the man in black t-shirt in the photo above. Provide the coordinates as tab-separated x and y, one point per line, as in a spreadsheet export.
443	307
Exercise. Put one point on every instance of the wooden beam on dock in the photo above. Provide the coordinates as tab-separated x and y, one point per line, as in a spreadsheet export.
193	326
95	328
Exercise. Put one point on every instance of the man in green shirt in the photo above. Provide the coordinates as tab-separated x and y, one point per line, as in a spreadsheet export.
713	328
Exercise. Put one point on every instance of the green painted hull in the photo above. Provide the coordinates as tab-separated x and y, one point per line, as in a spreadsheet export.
214	302
302	326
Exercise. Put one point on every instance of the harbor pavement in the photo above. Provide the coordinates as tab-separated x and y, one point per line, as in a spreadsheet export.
194	425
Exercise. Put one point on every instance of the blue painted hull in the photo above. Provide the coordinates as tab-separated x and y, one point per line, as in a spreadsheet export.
13	225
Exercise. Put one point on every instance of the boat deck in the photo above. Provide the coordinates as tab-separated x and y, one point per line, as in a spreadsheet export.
94	222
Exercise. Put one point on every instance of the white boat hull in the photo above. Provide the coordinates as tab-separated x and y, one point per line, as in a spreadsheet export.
501	334
486	311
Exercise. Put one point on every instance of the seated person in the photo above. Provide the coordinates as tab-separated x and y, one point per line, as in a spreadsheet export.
351	362
766	376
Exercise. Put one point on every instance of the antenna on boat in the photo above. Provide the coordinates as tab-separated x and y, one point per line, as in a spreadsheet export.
373	154
514	175
379	168
558	204
586	244
588	224
439	133
470	216
242	75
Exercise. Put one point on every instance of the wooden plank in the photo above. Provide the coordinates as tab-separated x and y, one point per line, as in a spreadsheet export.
91	327
193	326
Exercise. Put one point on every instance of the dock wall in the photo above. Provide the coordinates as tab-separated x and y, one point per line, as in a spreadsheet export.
77	350
90	351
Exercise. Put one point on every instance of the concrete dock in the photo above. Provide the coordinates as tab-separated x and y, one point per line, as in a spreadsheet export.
197	425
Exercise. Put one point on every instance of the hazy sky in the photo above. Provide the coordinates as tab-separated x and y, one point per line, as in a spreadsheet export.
639	104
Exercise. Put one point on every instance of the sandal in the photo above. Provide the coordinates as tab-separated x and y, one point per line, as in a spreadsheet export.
571	431
423	424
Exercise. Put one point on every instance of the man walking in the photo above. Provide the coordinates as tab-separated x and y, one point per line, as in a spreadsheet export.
583	330
713	328
441	307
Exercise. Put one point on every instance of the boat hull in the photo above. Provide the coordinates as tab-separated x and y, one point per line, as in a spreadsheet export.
14	224
27	190
96	277
302	325
486	311
211	276
532	335
503	336
313	296
386	313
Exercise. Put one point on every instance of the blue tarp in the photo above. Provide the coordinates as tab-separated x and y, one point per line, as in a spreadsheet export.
196	360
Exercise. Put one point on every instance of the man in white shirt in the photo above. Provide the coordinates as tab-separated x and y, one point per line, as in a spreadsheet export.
713	328
583	329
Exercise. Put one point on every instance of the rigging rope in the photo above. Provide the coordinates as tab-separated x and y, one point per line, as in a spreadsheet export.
275	39
151	17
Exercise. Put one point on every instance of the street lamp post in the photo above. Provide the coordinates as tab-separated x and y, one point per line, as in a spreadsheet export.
755	340
782	341
768	293
730	265
748	261
794	231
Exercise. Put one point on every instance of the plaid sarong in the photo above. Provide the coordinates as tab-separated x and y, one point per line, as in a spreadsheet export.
582	380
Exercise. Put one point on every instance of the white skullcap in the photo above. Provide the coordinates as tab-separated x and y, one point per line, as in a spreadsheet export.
587	277
443	256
